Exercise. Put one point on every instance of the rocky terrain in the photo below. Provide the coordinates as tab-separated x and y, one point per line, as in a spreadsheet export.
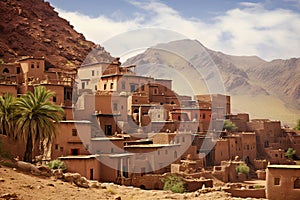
256	86
17	184
33	28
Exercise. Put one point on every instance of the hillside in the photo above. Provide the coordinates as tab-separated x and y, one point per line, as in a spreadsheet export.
17	185
263	89
33	28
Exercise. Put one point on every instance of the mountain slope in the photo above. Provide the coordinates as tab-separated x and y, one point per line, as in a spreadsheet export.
264	89
33	28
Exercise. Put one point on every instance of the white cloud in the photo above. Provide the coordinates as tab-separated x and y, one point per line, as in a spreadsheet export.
248	30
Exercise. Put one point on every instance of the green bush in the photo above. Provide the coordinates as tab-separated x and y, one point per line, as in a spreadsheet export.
244	169
174	183
57	164
290	153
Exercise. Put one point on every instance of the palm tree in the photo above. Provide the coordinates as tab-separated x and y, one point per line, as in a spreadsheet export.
36	119
6	113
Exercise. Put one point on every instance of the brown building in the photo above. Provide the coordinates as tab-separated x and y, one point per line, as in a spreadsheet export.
283	182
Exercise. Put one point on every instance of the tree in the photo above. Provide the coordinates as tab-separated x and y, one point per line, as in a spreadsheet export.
6	114
229	126
36	119
298	125
290	153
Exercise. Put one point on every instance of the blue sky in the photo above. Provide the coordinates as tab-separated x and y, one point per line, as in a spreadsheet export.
269	29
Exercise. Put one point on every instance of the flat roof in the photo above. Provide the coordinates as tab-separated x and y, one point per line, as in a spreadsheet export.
284	166
151	145
106	138
76	121
79	157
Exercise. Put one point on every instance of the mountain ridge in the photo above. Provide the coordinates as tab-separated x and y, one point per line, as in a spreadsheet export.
242	76
33	28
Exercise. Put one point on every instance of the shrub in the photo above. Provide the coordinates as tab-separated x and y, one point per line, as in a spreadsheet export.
244	169
111	190
229	126
174	183
57	164
290	153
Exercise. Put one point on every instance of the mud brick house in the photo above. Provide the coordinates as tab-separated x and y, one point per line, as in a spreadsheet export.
283	182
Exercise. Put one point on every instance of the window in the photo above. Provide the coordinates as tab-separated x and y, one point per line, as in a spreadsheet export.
155	91
18	70
143	87
183	139
61	149
297	183
158	152
111	150
123	85
158	116
104	87
74	152
203	116
132	87
175	154
54	99
32	65
276	181
37	65
56	146
112	86
115	106
83	85
5	71
96	87
93	73
74	132
108	129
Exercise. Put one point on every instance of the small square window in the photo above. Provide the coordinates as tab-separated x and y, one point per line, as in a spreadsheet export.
112	86
276	181
56	146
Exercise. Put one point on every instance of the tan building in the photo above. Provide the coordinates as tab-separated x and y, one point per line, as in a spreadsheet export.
283	182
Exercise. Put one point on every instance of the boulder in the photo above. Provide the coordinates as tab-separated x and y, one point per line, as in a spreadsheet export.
58	173
71	177
82	182
28	167
94	184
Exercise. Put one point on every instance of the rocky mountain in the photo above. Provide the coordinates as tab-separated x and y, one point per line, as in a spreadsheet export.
263	89
33	28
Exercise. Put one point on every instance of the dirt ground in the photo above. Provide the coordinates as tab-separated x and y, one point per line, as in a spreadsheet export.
18	185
